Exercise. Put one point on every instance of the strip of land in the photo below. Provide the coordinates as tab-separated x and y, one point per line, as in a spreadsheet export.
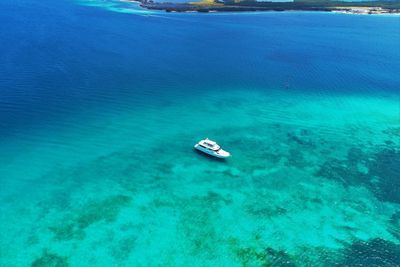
374	7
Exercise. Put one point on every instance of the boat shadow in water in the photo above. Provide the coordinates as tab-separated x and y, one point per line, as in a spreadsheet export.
209	157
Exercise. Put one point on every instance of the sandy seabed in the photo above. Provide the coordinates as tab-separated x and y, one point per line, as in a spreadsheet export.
313	181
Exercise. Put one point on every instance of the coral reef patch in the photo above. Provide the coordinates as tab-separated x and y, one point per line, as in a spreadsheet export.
378	171
48	259
375	253
74	225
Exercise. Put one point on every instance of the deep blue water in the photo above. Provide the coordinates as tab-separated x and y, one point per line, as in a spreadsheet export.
73	53
90	97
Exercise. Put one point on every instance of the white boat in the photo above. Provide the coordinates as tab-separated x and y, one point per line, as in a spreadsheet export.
211	148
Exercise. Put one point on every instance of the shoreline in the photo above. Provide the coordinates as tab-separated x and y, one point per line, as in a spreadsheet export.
357	8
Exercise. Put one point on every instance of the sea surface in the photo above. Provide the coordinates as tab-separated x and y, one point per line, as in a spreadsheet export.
101	103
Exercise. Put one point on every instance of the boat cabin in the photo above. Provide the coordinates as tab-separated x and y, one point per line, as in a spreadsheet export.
209	144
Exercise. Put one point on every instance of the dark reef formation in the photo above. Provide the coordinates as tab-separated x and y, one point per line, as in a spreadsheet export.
385	166
265	258
373	253
50	260
379	171
279	258
73	227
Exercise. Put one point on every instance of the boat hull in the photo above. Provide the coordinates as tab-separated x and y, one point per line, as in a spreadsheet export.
222	153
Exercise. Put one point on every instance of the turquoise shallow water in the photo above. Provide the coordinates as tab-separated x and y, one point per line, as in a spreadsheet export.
100	110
